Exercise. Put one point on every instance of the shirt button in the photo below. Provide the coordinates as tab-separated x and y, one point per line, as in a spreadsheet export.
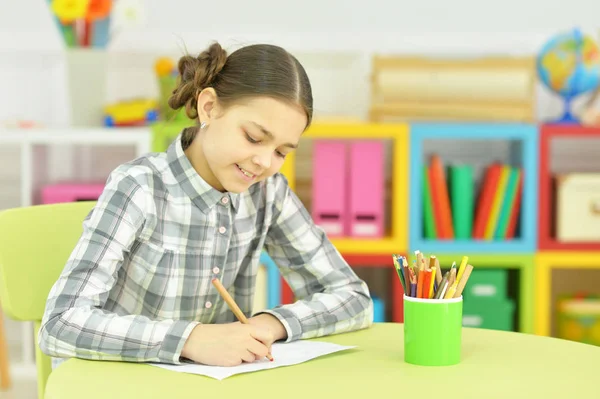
224	200
222	229
208	305
216	270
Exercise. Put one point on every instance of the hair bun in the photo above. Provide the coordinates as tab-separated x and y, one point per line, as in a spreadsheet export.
196	73
212	60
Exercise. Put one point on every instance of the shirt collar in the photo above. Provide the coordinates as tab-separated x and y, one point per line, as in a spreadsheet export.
202	194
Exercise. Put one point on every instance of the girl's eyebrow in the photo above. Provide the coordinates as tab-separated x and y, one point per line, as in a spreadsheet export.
271	136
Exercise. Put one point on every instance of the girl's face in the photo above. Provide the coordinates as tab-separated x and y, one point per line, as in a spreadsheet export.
246	143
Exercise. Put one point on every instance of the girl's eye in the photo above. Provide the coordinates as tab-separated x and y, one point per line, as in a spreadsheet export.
250	139
279	154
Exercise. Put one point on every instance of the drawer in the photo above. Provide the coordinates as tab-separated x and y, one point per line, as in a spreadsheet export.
489	314
488	284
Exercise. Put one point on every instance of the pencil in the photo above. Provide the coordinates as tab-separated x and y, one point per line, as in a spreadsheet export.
406	276
438	294
420	260
233	306
413	283
451	291
463	281
432	261
431	285
452	276
420	278
426	283
461	269
400	274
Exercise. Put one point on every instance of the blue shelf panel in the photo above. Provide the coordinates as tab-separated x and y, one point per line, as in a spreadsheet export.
472	131
273	281
473	247
528	135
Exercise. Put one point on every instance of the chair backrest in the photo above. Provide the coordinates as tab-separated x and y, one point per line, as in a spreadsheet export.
35	244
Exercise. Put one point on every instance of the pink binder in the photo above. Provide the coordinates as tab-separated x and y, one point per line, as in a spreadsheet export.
71	192
367	185
329	210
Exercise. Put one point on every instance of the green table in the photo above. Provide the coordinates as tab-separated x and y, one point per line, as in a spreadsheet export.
495	364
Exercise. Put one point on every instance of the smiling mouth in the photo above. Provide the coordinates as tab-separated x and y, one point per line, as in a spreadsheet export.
245	172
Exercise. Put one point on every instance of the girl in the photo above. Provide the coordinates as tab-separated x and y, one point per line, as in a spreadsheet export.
137	287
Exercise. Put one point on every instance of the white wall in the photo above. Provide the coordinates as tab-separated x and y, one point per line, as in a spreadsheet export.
333	39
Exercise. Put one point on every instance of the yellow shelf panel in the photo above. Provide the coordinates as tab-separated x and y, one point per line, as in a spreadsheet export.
569	259
288	169
385	245
544	263
362	130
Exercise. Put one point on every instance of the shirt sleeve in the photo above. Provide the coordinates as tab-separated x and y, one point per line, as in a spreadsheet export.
75	323
331	299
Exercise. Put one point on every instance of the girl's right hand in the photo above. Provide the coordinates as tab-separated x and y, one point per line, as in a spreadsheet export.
227	344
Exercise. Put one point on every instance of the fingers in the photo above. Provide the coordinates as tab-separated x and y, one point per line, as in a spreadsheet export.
262	334
248	357
259	349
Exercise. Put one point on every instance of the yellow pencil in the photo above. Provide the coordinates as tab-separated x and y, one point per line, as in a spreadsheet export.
438	276
461	269
451	291
433	271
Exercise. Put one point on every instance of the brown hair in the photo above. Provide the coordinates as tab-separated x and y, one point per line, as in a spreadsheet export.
255	70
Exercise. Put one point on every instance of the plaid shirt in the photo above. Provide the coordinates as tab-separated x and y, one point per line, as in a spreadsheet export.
139	279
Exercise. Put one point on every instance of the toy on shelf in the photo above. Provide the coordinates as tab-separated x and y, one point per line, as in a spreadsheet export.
135	112
569	65
167	77
579	318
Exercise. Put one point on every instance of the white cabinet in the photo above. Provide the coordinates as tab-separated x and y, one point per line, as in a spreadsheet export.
26	154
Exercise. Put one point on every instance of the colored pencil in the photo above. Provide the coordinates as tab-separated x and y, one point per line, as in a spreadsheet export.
442	286
400	273
463	281
432	285
461	269
426	279
413	283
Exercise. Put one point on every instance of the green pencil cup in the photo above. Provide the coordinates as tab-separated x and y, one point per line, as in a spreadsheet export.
432	331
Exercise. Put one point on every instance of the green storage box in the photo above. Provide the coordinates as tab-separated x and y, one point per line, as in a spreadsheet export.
489	313
487	284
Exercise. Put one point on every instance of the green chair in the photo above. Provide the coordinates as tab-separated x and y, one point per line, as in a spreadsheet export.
163	133
35	244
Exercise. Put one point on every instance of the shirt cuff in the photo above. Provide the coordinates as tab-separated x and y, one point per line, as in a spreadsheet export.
289	320
175	338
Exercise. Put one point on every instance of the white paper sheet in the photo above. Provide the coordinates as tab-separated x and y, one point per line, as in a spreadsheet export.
284	354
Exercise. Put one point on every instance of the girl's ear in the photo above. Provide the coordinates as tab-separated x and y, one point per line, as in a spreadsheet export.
207	104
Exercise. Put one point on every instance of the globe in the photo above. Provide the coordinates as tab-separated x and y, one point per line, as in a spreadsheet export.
569	65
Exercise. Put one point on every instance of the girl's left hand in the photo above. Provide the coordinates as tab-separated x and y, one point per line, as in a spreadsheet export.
272	323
